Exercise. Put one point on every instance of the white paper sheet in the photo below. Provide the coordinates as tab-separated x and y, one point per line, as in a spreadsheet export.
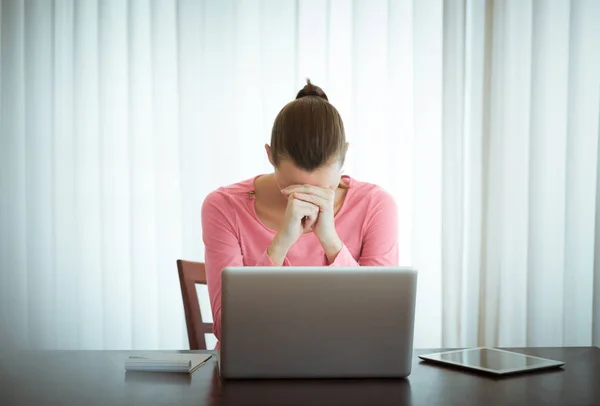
166	362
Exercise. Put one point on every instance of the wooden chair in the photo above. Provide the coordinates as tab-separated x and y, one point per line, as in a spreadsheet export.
190	274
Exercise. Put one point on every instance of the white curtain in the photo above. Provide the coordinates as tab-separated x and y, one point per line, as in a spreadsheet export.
520	191
118	117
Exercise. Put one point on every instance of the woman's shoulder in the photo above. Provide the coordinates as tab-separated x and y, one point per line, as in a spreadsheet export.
367	189
370	193
226	196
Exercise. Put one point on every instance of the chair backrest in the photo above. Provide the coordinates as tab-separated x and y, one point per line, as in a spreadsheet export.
190	274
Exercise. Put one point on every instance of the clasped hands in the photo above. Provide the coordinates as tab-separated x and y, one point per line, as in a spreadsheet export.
309	208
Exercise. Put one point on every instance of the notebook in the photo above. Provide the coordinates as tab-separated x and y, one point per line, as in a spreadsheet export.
166	362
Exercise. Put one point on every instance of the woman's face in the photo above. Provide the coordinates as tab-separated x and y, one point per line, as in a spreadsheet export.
327	177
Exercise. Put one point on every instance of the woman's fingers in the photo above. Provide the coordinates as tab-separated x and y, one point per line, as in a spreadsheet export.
317	200
309	189
305	211
314	199
308	223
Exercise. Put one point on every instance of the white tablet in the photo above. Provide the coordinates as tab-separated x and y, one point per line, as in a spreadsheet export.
491	360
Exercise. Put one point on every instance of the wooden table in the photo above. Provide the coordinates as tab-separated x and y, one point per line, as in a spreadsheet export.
99	378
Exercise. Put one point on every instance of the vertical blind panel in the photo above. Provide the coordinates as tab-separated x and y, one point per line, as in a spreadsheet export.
452	169
246	112
369	83
514	216
13	163
312	42
39	117
64	170
400	122
339	67
219	48
144	271
278	37
477	33
3	208
596	297
581	188
493	152
547	157
427	186
511	220
517	179
191	74
115	173
88	197
166	141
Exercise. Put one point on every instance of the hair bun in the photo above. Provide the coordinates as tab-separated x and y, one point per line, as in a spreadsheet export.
311	90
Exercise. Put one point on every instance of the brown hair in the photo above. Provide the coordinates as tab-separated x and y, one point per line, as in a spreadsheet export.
309	131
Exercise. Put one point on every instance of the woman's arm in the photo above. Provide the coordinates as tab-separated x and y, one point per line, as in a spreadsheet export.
222	248
380	241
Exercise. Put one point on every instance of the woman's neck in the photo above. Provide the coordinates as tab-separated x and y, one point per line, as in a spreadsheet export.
268	192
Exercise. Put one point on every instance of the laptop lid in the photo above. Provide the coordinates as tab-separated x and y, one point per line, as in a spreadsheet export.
317	322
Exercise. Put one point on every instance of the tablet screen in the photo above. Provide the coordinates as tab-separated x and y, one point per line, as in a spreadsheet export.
492	359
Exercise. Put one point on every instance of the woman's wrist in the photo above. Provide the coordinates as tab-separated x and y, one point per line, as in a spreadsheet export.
278	250
332	248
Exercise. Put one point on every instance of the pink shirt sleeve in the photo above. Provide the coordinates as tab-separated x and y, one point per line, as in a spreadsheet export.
222	249
380	235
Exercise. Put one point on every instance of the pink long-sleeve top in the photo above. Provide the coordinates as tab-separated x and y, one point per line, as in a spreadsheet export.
367	224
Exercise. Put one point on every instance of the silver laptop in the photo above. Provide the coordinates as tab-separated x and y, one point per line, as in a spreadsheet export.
317	322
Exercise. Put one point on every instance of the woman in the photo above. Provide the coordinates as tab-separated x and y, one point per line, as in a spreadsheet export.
305	212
